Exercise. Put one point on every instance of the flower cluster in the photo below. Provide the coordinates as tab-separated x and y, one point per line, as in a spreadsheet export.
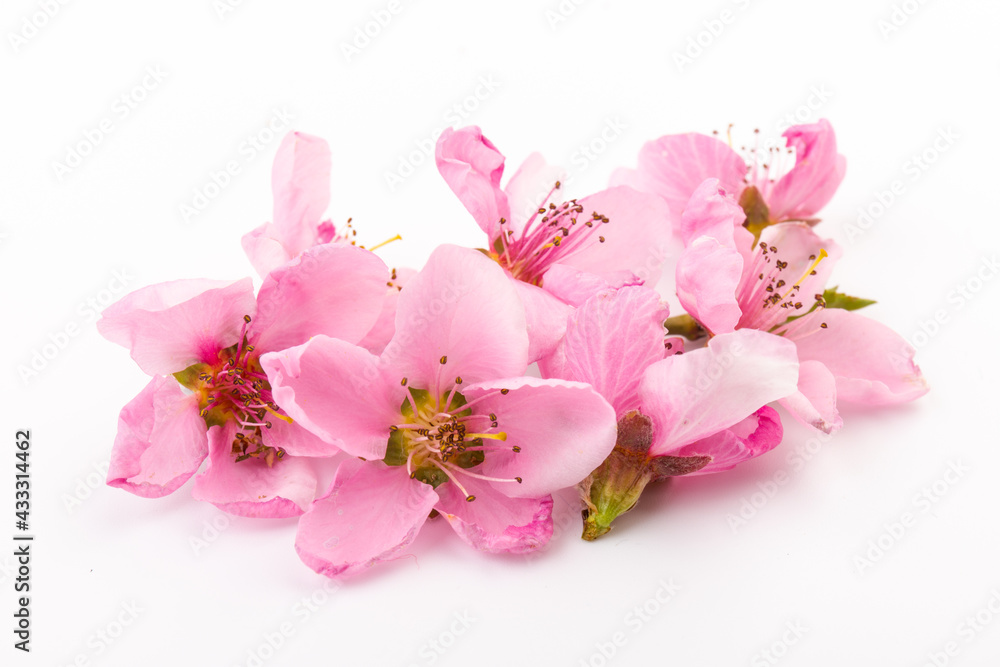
365	401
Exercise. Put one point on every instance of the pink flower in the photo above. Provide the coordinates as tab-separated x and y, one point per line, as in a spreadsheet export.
443	419
614	237
210	335
727	281
673	166
679	414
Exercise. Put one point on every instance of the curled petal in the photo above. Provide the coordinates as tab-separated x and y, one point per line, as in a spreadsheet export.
472	167
815	402
161	441
757	434
300	180
818	171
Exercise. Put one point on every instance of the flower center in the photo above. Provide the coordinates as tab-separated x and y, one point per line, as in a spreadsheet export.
551	235
778	301
236	389
441	439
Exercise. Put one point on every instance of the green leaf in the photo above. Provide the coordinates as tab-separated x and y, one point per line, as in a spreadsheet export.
835	299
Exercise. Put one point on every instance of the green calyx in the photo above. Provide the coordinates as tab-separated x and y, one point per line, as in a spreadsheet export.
615	486
756	210
684	325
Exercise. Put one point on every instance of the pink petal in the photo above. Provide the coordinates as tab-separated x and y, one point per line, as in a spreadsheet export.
384	329
564	429
463	308
528	188
300	179
697	394
333	290
574	287
673	166
264	249
711	212
172	325
814	179
546	317
340	392
472	167
708	276
611	340
371	513
251	488
872	363
757	434
636	239
296	440
815	402
494	522
161	441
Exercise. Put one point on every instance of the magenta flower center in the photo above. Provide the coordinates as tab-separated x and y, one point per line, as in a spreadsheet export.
552	235
235	389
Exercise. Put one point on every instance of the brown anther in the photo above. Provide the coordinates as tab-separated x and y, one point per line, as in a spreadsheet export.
444	360
505	391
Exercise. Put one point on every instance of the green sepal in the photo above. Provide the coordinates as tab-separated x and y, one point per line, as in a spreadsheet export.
189	376
684	325
756	210
430	475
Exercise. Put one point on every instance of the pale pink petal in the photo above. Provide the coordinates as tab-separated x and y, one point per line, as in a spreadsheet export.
708	276
611	339
697	394
300	179
757	434
472	168
574	287
711	212
340	392
494	522
370	514
528	188
161	441
546	317
169	326
333	290
815	402
385	326
673	166
461	308
636	239
872	363
296	440
249	487
264	249
564	430
814	179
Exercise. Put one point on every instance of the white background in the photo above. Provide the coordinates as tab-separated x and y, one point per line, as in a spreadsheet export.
558	85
